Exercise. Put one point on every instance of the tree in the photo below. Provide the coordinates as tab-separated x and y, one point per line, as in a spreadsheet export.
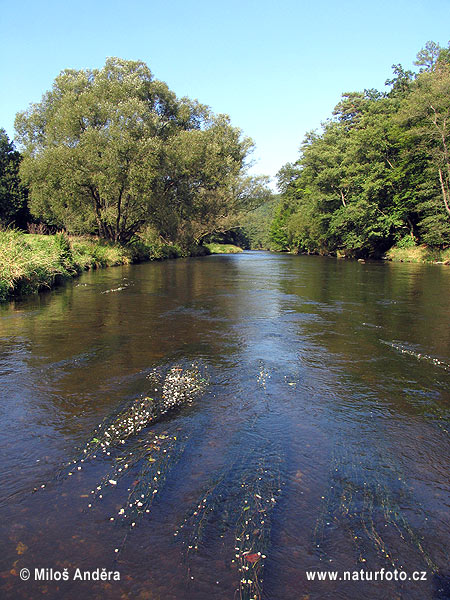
348	192
425	115
202	187
110	150
428	57
401	82
13	196
379	171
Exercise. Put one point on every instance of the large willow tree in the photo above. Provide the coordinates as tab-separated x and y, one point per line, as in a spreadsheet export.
108	151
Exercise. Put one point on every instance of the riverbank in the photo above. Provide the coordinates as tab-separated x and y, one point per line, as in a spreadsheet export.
214	248
419	254
30	263
413	254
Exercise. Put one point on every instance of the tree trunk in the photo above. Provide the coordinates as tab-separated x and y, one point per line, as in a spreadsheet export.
444	192
411	228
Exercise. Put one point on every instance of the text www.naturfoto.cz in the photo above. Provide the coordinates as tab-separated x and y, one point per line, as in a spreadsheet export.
362	575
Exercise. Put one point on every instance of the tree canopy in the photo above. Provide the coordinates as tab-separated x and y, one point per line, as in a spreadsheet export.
13	196
379	171
111	150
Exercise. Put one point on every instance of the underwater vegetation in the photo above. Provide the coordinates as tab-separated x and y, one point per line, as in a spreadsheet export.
403	349
171	390
369	506
241	498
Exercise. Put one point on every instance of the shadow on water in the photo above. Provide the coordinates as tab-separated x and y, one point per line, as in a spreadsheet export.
320	443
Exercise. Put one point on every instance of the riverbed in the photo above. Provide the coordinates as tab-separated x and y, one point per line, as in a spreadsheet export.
321	432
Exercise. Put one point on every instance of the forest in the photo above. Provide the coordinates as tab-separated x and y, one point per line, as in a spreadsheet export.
377	175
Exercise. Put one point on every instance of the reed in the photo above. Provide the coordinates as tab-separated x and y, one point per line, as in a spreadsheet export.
30	263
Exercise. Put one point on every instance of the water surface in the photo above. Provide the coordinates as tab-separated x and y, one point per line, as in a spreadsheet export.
329	391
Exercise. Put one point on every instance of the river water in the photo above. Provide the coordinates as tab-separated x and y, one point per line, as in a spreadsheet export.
321	440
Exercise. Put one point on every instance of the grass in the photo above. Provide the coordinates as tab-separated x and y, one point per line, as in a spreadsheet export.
223	248
91	253
419	254
30	263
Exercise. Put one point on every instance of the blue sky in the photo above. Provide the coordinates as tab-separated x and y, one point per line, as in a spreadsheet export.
276	67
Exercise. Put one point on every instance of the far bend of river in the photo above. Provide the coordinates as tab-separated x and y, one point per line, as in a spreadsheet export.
321	440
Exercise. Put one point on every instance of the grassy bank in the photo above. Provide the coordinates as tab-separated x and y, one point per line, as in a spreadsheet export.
29	263
419	254
223	248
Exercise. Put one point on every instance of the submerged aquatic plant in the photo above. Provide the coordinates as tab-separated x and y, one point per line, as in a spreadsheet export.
125	424
245	493
152	475
417	355
261	492
180	386
263	375
147	449
157	460
363	503
176	388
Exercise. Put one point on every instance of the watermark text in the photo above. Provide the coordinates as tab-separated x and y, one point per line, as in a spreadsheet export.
363	575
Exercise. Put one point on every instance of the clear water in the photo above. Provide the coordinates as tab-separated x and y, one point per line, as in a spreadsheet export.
328	392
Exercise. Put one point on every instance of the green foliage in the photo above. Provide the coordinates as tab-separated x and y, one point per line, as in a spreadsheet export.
29	263
256	226
419	254
278	234
379	171
109	151
148	245
435	230
13	196
237	236
406	242
92	253
306	232
425	116
223	248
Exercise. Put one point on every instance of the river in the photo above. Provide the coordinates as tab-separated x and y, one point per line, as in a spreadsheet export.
320	441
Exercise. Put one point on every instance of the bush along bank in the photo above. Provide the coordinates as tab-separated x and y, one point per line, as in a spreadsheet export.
214	248
30	263
418	254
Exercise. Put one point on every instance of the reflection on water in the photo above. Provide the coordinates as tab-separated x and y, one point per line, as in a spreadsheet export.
320	443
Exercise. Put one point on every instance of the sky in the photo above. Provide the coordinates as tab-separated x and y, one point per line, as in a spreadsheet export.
277	68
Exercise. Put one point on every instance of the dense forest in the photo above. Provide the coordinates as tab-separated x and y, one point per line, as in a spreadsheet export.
378	173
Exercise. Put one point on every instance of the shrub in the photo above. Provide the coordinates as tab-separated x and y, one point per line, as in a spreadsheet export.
406	242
